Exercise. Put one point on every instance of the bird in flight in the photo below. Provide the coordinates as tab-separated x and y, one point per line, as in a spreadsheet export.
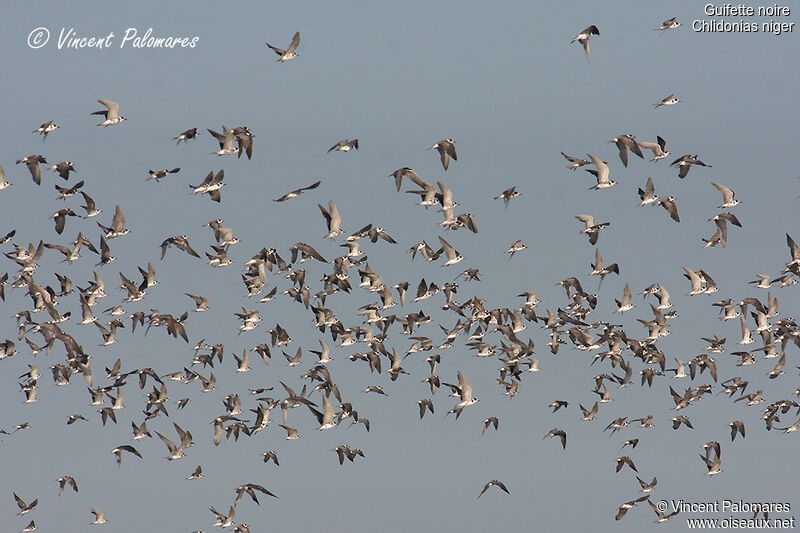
494	483
667	100
297	192
46	128
186	135
99	516
669	24
32	162
583	38
447	150
111	113
25	508
575	162
289	53
345	145
685	164
658	148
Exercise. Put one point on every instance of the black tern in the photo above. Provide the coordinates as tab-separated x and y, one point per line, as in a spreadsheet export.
713	465
244	141
63	481
200	302
681	419
74	418
737	426
398	176
662	517
494	483
63	169
224	520
117	228
647	487
648	195
160	174
588	414
332	220
3	183
60	218
99	516
345	145
598	269
291	433
90	207
270	456
32	162
669	24
451	253
728	199
685	163
289	53
25	508
111	114
197	474
223	236
667	101
658	148
124	448
561	434
625	304
46	128
226	141
601	172
583	38
623	509
668	203
343	451
590	228
721	235
446	149
211	185
250	489
66	192
507	195
624	144
186	135
516	246
464	391
623	461
297	192
575	162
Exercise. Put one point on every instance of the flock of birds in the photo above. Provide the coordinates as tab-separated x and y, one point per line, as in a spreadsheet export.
378	336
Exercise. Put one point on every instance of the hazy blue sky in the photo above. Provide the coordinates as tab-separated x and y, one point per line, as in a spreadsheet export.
502	80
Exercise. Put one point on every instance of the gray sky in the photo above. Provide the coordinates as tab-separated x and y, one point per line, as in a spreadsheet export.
507	85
